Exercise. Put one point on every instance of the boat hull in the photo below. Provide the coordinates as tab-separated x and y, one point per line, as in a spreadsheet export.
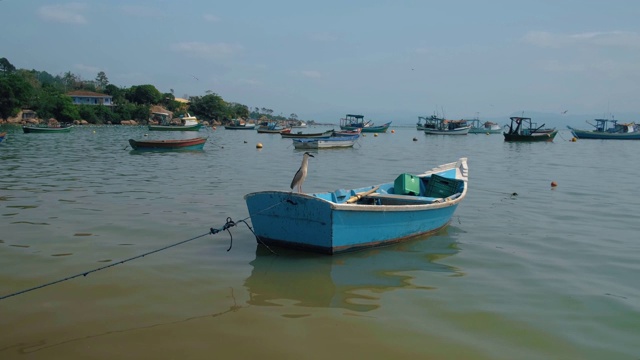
368	129
603	135
240	127
328	223
195	127
456	131
332	142
541	137
291	135
38	129
168	145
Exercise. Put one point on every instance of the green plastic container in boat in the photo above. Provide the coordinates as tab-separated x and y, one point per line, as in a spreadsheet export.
406	184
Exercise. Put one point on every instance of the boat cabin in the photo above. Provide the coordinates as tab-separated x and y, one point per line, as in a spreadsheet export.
161	118
353	121
524	126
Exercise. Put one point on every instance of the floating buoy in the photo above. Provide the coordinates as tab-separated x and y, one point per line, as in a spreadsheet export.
213	127
94	131
393	131
554	184
415	139
376	134
259	146
245	141
573	139
488	133
146	134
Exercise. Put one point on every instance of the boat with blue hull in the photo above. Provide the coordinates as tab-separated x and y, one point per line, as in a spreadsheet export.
326	143
355	122
603	131
347	220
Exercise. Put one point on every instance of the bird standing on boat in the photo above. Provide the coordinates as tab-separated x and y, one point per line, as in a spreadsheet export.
298	179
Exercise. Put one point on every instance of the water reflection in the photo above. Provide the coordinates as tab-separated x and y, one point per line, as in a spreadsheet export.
349	281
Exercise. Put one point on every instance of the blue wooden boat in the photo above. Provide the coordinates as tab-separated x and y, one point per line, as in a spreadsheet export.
603	131
237	124
346	220
326	143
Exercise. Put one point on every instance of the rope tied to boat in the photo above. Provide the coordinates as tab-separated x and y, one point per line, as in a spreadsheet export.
228	224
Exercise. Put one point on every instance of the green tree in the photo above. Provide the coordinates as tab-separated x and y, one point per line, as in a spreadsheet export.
210	106
6	67
52	103
144	95
118	94
101	81
15	92
236	110
69	81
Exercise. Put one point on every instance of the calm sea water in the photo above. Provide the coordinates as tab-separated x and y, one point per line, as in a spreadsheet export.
549	273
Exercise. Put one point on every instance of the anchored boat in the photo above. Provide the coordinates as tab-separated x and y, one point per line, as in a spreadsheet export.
602	130
374	215
522	129
164	145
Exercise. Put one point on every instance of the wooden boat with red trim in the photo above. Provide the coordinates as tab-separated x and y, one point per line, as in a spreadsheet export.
166	145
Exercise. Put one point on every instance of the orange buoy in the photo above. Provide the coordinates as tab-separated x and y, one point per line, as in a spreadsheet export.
554	184
393	131
259	146
573	139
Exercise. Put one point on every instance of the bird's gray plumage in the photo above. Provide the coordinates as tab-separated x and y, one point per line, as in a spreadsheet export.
301	174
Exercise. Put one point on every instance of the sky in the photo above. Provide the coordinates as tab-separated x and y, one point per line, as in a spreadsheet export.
387	60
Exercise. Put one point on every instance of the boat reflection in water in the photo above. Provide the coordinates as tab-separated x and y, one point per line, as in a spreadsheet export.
348	280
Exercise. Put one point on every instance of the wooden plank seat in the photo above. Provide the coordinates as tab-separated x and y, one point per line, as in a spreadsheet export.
394	199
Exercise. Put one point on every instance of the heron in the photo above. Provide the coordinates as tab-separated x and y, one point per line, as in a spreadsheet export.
301	174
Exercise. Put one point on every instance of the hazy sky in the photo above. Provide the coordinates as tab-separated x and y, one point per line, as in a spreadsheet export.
322	59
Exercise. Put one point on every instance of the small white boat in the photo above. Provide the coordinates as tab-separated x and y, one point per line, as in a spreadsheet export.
331	142
487	127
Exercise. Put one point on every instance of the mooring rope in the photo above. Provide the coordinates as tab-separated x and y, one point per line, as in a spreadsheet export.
229	224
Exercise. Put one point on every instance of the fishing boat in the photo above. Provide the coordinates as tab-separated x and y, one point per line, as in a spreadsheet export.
375	215
64	128
331	142
602	130
301	135
269	128
426	122
522	129
440	126
2	136
168	145
187	123
237	124
353	122
487	127
347	132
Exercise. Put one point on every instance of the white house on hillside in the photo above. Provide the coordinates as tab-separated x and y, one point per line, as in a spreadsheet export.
83	97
